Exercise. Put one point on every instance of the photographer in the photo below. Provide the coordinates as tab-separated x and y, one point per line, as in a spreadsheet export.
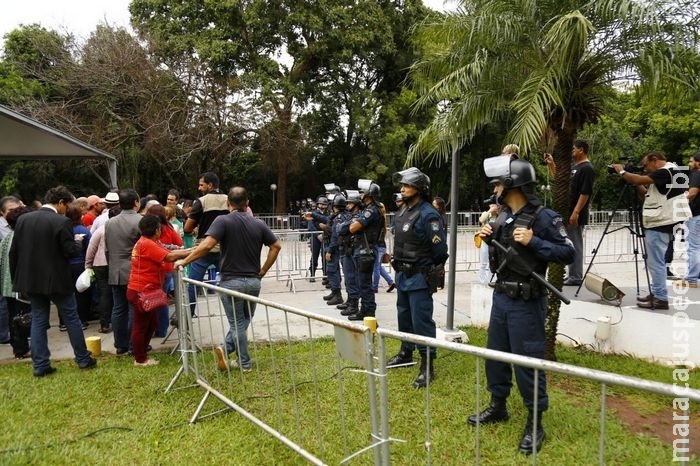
661	193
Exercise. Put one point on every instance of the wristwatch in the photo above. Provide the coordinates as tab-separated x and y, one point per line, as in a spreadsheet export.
621	172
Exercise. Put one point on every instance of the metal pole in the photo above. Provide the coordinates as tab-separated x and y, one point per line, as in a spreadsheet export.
454	206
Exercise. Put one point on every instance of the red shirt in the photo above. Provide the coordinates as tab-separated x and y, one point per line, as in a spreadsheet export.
168	235
147	264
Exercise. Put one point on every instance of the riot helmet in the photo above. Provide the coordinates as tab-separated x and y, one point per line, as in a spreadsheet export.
322	200
339	201
353	197
510	173
368	188
413	177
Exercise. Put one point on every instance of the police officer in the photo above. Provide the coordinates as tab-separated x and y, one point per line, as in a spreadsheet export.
366	229
332	253
420	250
313	217
533	236
345	249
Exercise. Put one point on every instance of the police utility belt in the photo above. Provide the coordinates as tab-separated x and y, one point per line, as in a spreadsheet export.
409	269
525	290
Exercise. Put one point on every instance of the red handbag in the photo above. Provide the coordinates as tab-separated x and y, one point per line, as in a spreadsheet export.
152	298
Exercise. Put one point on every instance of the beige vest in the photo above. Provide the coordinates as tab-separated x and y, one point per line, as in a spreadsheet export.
658	210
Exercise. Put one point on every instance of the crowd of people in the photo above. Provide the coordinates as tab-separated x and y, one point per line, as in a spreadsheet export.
131	244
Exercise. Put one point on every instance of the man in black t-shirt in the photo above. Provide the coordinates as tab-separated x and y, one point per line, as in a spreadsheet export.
663	197
580	191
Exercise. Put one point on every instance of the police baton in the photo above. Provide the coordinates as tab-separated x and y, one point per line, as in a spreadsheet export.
540	279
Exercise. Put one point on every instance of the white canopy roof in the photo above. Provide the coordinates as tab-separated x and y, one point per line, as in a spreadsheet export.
22	137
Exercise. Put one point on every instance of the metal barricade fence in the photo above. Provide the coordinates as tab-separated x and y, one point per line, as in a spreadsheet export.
332	400
619	245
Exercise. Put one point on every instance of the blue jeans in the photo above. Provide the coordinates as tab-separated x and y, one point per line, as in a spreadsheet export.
122	315
692	239
68	311
656	243
197	270
380	271
239	314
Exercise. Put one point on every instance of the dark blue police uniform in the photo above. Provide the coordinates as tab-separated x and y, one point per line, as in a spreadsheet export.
419	245
346	261
519	307
372	222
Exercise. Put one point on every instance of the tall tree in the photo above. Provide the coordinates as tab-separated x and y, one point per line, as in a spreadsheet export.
284	61
548	66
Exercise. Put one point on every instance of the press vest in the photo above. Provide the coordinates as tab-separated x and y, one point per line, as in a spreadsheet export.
659	210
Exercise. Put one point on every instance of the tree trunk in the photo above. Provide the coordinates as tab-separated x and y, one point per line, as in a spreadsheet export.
555	274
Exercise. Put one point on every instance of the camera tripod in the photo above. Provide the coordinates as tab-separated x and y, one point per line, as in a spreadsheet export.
628	195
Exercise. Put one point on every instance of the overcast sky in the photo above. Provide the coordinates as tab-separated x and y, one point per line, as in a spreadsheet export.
81	16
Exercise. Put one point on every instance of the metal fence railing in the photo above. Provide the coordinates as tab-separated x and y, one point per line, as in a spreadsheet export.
621	244
332	401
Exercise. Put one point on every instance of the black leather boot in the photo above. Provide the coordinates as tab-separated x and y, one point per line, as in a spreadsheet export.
425	374
351	308
344	305
528	440
402	357
337	298
360	314
329	296
494	412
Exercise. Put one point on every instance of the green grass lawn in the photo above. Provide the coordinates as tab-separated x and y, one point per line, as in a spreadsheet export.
119	414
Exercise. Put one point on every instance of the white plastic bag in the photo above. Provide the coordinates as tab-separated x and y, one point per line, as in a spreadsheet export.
84	280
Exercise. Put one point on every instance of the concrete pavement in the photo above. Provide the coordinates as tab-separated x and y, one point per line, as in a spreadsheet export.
644	333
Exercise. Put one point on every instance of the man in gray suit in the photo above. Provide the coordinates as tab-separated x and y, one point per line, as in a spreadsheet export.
121	233
39	254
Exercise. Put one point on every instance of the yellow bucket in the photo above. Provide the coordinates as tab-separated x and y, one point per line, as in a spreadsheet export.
94	345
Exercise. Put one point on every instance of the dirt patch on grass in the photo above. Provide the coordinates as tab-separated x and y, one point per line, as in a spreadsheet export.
658	424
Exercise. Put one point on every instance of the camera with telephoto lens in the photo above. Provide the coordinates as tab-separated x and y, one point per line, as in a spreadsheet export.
627	166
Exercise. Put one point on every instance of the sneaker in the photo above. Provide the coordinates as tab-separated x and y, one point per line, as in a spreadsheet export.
221	358
657	304
85	325
236	365
684	284
147	362
62	328
104	329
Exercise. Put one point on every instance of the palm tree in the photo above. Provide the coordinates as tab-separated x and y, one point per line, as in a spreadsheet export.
547	66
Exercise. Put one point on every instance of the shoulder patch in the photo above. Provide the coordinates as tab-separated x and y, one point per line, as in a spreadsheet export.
367	214
562	231
435	225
